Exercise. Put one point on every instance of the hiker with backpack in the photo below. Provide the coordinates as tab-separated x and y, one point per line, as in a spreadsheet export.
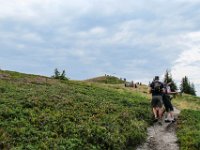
156	89
169	117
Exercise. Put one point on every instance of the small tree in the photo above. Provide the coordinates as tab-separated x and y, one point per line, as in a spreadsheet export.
62	76
57	75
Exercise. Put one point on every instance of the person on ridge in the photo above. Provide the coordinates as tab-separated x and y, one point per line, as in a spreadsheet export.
157	89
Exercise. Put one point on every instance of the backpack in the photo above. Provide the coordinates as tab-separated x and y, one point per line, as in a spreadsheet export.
157	87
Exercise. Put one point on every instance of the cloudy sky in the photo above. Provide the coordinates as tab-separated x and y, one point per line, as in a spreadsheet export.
126	38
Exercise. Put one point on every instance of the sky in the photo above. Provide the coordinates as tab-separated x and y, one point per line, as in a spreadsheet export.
132	39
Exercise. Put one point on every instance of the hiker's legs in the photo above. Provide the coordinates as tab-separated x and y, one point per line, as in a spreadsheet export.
155	112
171	114
154	107
157	107
160	107
171	109
168	106
160	112
163	111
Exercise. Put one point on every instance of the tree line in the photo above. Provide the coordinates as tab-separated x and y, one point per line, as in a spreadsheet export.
185	87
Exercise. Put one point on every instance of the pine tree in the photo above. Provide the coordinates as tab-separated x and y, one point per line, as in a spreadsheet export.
192	90
187	87
168	79
62	76
57	75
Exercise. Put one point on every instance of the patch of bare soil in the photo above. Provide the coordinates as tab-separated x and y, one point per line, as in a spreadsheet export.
161	137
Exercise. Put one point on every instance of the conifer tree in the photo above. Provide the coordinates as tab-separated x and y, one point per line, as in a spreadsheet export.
192	90
57	75
62	76
168	79
187	87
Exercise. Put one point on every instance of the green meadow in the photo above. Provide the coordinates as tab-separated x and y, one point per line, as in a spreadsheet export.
188	129
37	112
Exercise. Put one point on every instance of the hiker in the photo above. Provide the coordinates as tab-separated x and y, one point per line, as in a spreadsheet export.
135	85
156	89
169	117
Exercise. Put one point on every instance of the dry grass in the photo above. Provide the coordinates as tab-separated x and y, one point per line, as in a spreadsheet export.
187	102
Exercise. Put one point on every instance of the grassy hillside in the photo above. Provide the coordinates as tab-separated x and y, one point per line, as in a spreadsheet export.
187	102
188	130
42	113
106	79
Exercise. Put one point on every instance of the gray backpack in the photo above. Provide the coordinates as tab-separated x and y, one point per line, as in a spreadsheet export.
157	87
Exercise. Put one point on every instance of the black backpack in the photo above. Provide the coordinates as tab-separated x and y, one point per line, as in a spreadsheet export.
157	87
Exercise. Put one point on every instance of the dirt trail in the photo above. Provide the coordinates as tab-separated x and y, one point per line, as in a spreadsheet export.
161	137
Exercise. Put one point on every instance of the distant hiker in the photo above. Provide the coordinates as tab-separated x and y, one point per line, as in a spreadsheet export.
167	103
156	89
132	84
135	85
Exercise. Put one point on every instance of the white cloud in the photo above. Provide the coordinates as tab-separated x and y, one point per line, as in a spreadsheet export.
95	32
44	12
188	62
20	46
16	9
32	37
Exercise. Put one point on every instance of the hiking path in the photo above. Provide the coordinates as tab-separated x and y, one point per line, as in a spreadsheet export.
162	137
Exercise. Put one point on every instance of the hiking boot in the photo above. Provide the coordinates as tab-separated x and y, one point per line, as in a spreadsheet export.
167	120
173	120
160	122
155	120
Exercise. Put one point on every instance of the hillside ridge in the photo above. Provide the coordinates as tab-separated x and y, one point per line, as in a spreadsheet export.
38	112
